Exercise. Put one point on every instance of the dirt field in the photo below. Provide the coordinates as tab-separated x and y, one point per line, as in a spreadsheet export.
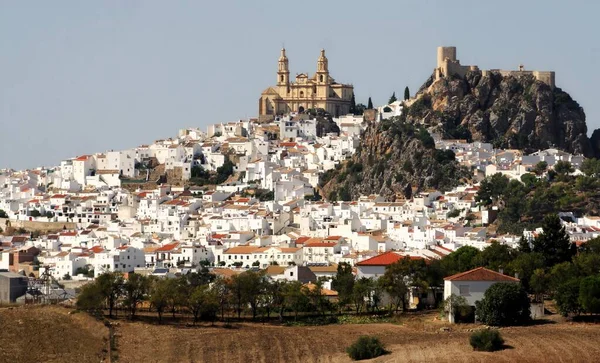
53	335
50	334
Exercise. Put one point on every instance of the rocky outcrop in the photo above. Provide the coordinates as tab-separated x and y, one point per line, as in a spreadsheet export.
509	111
394	159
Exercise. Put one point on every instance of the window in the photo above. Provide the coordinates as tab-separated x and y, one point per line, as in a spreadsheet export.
291	273
464	290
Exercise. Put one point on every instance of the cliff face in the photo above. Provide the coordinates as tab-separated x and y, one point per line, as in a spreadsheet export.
393	158
509	111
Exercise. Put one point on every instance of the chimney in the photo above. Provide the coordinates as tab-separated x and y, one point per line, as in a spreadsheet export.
501	270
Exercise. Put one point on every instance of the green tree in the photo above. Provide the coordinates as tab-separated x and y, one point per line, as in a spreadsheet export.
198	297
457	306
361	293
504	304
566	297
352	109
392	98
135	289
90	299
295	297
159	296
395	282
529	180
495	256
524	245
252	287
369	104
35	213
524	266
540	284
589	294
3	214
563	167
343	283
540	168
492	189
554	243
591	167
406	93
461	260
111	288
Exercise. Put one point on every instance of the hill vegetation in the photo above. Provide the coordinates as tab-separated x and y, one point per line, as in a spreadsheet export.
392	159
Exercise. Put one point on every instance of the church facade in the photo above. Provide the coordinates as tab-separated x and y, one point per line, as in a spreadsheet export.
318	91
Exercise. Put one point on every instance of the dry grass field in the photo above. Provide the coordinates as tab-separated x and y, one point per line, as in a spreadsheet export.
53	335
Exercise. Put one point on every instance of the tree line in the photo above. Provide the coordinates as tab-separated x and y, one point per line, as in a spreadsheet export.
549	266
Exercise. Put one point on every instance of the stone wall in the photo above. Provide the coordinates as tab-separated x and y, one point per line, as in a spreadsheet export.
37	226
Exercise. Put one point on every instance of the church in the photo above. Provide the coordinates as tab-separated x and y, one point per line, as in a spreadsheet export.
318	91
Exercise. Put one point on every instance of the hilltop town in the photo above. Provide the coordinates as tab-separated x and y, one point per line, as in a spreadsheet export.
255	195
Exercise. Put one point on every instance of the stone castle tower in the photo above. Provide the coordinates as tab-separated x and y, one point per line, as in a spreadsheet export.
448	65
318	91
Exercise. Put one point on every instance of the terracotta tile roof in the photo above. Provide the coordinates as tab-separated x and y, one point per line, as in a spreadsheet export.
241	250
480	274
384	259
97	249
168	247
301	240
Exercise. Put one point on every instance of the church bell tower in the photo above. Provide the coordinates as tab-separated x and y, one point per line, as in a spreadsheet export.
283	72
322	68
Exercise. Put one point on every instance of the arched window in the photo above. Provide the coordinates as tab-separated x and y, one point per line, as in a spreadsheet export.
301	93
281	78
321	78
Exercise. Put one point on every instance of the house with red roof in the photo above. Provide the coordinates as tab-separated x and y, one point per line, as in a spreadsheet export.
375	266
473	284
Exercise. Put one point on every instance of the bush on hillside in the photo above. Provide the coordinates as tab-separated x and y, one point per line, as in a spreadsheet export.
366	347
488	340
504	303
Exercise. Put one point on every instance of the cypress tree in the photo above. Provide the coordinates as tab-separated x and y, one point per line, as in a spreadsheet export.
370	104
406	93
353	105
393	98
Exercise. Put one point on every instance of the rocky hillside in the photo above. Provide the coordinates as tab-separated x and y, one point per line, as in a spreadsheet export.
393	158
508	111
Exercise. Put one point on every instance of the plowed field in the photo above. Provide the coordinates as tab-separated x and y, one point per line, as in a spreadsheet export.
52	334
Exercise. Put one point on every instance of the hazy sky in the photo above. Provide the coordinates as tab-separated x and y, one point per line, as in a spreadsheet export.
88	76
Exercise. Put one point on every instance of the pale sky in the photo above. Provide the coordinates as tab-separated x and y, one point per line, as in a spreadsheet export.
79	77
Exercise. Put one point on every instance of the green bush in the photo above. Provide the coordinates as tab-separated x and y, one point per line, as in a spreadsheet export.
366	347
488	340
504	304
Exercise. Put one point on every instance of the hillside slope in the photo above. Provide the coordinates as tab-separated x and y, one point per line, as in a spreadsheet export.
509	111
394	158
50	334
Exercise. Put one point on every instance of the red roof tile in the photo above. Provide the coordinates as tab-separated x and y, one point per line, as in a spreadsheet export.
384	259
480	274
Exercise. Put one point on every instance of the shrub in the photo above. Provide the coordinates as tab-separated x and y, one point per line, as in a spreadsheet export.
488	340
366	347
504	303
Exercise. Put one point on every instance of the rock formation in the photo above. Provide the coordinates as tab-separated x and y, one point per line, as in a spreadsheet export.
394	159
512	111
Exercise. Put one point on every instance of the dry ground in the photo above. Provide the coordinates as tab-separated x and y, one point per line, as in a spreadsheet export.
53	335
50	334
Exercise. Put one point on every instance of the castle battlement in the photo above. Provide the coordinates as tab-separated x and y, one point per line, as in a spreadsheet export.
447	65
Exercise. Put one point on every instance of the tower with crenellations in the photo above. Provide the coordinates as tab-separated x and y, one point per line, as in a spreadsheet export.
448	65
